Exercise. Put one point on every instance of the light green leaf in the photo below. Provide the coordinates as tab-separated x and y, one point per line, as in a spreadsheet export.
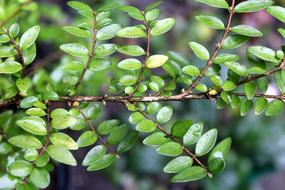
24	84
252	6
130	64
222	149
178	164
128	80
246	30
30	54
63	122
156	139
190	174
279	79
245	106
226	57
131	50
20	168
136	117
229	86
260	105
180	128
193	134
191	70
61	154
171	149
106	127
131	32
237	68
82	8
156	61
146	126
10	67
75	49
105	49
79	32
33	124
25	141
132	12
215	3
164	114
275	108
250	90
108	32
232	42
162	26
200	51
206	142
99	65
211	21
63	140
86	139
40	178
102	163
94	155
29	37
263	53
278	12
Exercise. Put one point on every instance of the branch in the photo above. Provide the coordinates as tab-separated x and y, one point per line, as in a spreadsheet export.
217	50
185	149
17	11
91	54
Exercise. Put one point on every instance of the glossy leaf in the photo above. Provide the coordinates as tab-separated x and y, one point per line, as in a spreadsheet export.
211	21
164	114
190	174
200	51
162	26
33	124
61	154
25	141
193	134
178	164
170	149
206	142
156	61
252	5
274	108
29	37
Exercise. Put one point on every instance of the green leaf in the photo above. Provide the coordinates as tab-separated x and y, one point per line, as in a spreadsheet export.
28	102
193	134
29	37
190	174
82	8
128	80
25	141
108	32
63	122
211	21
252	6
245	106
131	50
31	155
275	108
229	86
178	164
146	126
153	5
20	168
14	30
61	154
42	160
206	142
215	3
200	51
153	107
180	128
131	32
128	142
226	57
40	178
63	140
162	26
132	12
156	61
222	148
79	32
246	30
279	79
94	155
156	139
136	117
191	70
250	90
24	84
33	124
99	65
106	127
30	54
171	149
282	32
152	14
260	105
75	49
10	67
103	163
86	139
164	114
278	12
237	68
217	165
130	64
117	135
263	53
105	49
232	42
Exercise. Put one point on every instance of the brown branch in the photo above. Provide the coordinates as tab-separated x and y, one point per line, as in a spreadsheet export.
91	54
280	97
47	140
92	127
15	13
217	50
185	149
145	60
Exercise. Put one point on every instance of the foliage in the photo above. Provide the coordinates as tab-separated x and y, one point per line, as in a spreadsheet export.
32	130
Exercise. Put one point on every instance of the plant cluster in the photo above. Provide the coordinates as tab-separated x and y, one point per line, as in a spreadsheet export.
33	126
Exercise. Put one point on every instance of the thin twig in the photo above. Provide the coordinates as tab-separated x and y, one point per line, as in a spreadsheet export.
217	50
91	54
185	149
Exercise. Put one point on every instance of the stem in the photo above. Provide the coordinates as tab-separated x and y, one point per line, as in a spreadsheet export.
91	54
185	149
214	55
15	13
43	150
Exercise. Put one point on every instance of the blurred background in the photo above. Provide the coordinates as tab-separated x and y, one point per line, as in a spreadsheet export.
257	159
